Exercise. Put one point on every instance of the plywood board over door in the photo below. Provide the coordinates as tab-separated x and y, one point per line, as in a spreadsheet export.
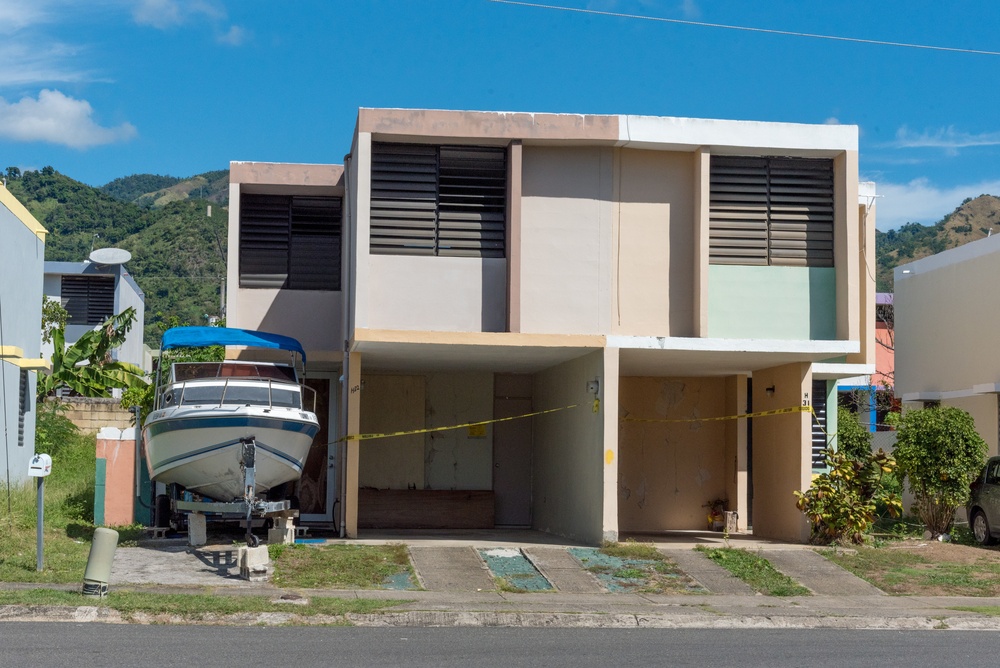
512	451
390	404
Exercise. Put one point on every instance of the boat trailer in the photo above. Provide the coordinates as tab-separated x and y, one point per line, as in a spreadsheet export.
249	506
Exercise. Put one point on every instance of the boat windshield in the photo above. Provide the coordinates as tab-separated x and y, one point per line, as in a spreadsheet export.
196	370
233	394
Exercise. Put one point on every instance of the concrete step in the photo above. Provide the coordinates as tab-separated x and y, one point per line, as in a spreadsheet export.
822	576
710	575
563	571
451	569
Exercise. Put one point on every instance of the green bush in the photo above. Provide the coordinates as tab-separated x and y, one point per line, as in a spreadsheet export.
843	503
939	453
853	439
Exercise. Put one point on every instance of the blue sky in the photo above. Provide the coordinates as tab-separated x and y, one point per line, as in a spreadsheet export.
108	88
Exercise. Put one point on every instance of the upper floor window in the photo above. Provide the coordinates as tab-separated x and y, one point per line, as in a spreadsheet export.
290	241
771	211
89	300
438	200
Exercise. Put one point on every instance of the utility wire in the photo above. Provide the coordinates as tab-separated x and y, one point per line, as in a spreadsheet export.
769	31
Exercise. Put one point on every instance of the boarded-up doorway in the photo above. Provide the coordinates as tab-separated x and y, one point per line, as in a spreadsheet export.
512	451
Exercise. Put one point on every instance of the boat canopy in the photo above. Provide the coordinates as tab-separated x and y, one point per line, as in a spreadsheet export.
202	337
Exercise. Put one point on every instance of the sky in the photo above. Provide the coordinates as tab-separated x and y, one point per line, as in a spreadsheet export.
109	88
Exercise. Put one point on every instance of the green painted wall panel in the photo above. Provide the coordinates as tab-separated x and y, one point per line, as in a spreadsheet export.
100	485
790	303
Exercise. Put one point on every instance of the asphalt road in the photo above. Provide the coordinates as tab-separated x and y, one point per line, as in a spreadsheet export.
26	644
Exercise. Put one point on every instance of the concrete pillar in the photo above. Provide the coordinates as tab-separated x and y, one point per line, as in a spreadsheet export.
352	425
197	530
782	451
609	413
282	533
736	450
253	563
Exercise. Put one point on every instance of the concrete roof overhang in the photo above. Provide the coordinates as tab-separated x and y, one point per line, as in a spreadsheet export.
413	351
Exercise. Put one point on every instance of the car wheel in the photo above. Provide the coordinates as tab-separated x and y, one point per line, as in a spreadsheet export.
981	529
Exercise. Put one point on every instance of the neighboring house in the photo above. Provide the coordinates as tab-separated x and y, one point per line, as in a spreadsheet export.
92	293
637	276
22	253
947	309
871	397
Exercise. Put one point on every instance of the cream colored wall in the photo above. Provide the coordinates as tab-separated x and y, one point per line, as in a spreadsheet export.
454	459
390	404
314	317
653	236
452	294
569	452
983	409
945	320
566	217
782	447
667	471
736	449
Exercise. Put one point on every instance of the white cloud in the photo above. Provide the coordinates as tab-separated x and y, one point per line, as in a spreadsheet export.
919	201
58	119
234	37
690	9
31	64
163	14
945	138
17	15
833	120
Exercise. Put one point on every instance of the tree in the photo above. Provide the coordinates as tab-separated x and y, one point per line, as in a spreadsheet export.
86	367
852	438
939	452
54	317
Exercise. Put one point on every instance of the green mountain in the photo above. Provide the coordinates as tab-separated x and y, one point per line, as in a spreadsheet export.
975	218
178	250
152	191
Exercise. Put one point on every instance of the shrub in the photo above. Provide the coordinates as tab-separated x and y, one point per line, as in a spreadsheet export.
939	452
842	503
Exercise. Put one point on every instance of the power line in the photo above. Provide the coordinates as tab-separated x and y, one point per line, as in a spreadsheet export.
769	31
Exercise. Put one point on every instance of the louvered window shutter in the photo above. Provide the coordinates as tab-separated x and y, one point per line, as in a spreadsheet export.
430	200
290	242
776	211
89	300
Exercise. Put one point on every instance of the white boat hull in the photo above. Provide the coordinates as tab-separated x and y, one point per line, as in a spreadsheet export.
199	447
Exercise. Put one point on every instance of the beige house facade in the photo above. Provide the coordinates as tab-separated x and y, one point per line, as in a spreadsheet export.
630	284
946	308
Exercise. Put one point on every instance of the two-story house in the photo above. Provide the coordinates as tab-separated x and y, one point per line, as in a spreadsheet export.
21	256
632	283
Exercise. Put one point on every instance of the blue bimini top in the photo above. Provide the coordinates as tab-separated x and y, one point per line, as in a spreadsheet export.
202	337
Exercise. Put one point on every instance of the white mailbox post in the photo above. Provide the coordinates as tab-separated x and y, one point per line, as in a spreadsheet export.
39	467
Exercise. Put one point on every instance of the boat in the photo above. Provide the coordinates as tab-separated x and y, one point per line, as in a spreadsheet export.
232	430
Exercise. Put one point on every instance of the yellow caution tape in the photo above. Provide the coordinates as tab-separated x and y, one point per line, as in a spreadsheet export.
370	437
777	411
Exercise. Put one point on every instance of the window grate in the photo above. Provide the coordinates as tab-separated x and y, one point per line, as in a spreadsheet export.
89	300
290	241
438	200
771	211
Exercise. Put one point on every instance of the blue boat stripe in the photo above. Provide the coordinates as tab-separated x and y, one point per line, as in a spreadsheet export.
213	422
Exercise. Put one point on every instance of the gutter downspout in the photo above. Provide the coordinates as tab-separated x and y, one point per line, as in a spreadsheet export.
342	446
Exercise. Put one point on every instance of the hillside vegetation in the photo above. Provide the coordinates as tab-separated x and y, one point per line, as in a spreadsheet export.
975	218
178	251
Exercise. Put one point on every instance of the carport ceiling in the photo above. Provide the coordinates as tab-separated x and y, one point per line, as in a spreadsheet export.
680	363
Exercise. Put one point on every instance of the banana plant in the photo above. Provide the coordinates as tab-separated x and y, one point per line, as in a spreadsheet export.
86	367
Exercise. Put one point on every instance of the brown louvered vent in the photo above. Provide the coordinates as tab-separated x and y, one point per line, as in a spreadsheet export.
776	211
290	242
438	200
89	300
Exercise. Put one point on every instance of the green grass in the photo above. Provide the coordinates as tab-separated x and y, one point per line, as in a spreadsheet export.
337	566
631	549
193	607
905	571
991	610
756	571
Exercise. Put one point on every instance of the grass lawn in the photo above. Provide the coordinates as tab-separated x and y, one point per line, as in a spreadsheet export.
338	566
929	568
635	567
755	571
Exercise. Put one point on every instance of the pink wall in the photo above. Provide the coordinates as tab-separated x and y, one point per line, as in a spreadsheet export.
117	446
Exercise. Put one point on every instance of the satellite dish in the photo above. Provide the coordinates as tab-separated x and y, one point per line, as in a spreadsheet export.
109	256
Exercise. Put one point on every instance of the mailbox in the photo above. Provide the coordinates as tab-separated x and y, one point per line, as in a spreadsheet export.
40	466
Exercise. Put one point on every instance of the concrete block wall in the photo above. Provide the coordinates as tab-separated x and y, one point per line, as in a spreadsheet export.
91	415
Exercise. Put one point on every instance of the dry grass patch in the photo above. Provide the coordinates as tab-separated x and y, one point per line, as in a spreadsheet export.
925	568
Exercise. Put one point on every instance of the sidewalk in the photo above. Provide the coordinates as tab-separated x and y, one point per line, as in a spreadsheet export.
458	589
